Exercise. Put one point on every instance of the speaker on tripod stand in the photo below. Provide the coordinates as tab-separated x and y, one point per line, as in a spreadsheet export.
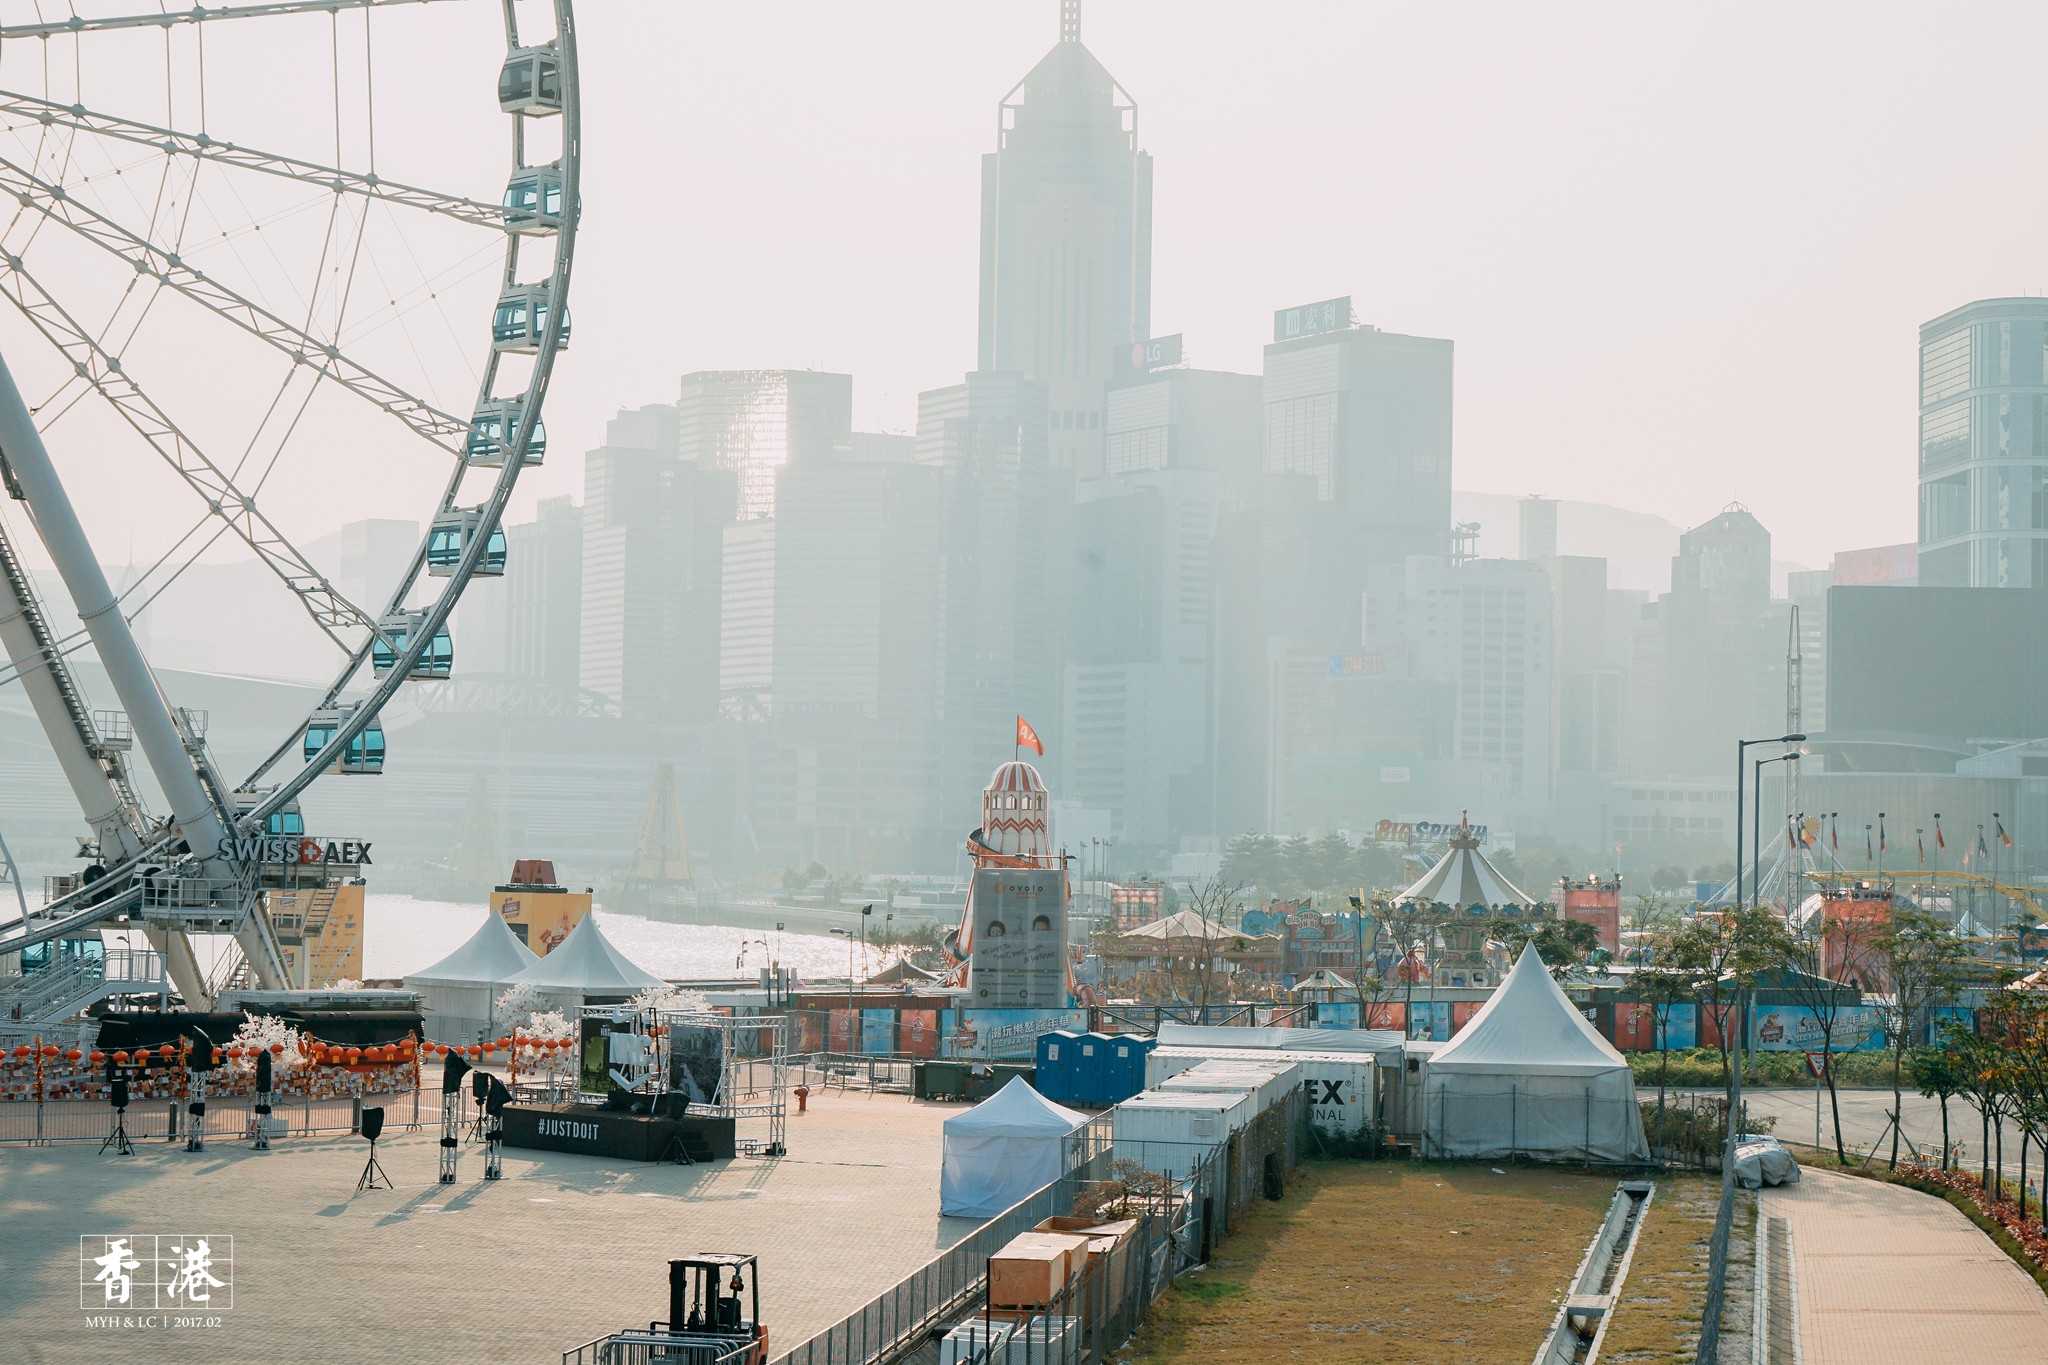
494	1128
263	1080
373	1177
451	1114
117	1137
198	1066
480	1091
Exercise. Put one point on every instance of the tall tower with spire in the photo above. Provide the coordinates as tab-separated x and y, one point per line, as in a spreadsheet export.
1066	239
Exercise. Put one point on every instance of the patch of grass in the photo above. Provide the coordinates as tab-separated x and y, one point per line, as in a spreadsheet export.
1658	1315
1387	1261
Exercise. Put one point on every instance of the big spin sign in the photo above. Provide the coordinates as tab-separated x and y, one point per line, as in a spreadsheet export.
290	850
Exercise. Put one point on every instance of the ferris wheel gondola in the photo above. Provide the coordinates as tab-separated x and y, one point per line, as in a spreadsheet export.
203	296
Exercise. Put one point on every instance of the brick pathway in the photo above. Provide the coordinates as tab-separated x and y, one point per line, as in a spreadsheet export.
1889	1274
562	1250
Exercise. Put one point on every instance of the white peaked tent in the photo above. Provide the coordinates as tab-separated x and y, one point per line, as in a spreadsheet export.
586	968
1529	1076
1463	878
457	993
1012	1144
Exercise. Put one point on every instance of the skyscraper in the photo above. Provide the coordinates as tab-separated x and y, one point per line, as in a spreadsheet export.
1000	529
753	422
1366	414
1984	446
1066	239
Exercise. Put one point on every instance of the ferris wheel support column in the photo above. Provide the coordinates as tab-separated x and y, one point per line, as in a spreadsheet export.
148	714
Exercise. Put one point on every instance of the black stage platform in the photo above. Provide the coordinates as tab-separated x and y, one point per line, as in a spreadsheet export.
596	1131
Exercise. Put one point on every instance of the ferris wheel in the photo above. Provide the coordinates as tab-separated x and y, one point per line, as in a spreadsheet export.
252	255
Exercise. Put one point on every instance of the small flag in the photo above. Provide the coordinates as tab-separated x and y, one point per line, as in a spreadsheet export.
1834	835
1792	833
1983	851
1939	842
1027	738
1880	832
1920	842
2003	837
1866	844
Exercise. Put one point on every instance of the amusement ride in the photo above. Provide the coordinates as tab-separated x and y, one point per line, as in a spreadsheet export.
224	250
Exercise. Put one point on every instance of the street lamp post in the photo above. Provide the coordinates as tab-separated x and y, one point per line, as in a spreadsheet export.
1741	751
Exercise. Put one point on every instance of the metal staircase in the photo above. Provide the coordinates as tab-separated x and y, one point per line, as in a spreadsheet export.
46	998
318	909
110	752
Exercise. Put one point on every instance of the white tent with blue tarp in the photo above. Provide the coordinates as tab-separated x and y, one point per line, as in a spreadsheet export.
1010	1146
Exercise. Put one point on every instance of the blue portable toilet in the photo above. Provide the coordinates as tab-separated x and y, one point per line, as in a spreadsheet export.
1059	1057
1123	1065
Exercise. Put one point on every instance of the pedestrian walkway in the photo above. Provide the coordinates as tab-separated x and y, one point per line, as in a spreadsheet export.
1888	1273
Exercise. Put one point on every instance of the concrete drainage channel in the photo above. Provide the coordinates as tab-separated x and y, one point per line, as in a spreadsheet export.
1574	1337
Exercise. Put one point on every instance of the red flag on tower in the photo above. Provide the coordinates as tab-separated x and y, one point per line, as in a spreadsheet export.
1999	824
1939	842
1027	738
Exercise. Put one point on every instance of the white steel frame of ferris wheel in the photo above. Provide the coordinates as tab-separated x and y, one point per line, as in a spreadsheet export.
174	754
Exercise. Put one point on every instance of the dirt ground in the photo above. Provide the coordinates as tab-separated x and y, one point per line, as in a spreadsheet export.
1387	1262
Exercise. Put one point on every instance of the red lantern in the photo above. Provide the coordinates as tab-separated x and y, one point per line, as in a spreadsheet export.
121	1059
22	1051
475	1051
234	1054
167	1051
73	1055
277	1049
49	1049
98	1057
354	1055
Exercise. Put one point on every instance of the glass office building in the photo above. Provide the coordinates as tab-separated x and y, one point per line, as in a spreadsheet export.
1984	446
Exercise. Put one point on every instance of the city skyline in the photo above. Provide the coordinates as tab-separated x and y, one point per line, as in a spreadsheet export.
1530	193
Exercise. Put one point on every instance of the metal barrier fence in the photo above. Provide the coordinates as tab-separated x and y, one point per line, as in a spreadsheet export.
231	1116
875	1073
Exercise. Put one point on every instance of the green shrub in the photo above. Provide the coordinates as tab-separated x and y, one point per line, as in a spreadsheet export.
1700	1068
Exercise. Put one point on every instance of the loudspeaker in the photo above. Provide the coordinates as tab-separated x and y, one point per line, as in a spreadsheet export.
480	1086
676	1104
373	1123
452	1074
619	1101
499	1097
201	1056
263	1071
120	1095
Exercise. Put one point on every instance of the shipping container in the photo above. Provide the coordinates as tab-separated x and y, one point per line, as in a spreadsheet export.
1171	1134
1270	1081
1347	1109
1035	1342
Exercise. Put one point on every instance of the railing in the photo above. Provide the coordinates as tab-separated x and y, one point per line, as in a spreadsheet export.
163	1118
658	1348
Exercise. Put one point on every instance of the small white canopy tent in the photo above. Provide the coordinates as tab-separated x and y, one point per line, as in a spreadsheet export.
1012	1144
458	992
1529	1076
586	969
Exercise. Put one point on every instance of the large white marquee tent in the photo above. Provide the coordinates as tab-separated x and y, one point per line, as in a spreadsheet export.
1529	1076
458	992
1012	1144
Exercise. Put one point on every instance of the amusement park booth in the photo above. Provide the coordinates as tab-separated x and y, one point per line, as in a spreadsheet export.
1529	1076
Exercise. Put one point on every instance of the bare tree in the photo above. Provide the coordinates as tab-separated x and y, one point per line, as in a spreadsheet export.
1215	901
1845	945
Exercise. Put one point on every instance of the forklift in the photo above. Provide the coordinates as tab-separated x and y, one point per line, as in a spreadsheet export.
706	1315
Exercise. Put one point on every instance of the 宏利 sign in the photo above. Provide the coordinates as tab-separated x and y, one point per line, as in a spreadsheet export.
291	849
1331	315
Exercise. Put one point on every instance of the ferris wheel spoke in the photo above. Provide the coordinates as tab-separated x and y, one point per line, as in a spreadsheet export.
57	205
200	146
331	611
198	14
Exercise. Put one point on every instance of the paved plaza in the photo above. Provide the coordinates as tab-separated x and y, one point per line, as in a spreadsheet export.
562	1250
1888	1273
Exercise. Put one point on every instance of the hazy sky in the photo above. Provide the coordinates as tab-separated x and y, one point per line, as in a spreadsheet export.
1682	249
